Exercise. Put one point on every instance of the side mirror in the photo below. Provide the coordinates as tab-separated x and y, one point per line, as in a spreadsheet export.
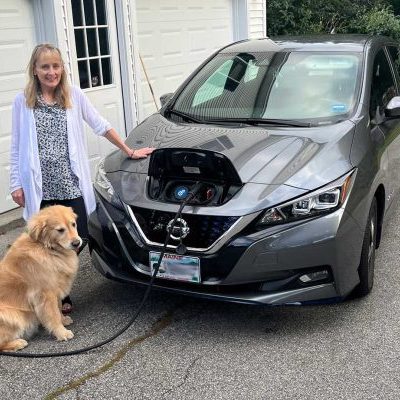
392	110
165	98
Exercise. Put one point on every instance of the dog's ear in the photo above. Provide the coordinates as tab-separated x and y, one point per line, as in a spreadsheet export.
36	226
74	215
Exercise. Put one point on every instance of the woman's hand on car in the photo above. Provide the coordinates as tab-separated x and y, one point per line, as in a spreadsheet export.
140	153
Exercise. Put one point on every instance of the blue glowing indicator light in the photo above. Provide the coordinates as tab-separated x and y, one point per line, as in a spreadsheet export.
181	192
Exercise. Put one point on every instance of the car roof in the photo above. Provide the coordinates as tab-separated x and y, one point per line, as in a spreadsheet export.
334	42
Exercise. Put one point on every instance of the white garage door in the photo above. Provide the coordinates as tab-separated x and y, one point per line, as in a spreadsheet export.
175	36
16	42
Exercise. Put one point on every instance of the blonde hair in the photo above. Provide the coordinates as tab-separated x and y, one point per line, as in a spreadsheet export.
32	89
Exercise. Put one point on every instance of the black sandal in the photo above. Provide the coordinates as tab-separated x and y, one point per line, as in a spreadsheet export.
66	307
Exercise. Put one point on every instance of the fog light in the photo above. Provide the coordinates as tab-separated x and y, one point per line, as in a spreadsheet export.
314	276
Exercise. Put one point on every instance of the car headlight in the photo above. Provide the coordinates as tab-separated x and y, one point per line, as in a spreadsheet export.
104	187
322	201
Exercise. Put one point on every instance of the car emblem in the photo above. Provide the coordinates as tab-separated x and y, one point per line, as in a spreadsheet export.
180	229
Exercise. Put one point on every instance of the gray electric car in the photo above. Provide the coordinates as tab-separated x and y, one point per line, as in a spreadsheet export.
277	163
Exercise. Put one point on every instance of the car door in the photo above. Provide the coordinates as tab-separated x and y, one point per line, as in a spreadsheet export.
383	89
394	148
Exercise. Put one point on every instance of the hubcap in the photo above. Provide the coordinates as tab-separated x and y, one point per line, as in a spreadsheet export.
371	241
371	253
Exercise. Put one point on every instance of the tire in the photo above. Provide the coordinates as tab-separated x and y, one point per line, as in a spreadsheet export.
367	259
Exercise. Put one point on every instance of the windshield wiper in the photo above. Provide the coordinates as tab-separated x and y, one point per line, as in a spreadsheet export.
185	116
264	121
249	121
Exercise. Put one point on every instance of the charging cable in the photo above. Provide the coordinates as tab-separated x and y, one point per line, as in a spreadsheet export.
188	198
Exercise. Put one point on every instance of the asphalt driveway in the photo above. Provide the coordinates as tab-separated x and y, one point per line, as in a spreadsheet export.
184	348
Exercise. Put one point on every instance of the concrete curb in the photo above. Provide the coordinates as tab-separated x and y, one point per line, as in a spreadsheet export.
11	220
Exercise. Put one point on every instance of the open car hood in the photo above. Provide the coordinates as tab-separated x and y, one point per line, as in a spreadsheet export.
300	157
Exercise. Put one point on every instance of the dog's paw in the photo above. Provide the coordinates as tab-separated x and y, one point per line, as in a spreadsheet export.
67	320
64	334
20	344
16	345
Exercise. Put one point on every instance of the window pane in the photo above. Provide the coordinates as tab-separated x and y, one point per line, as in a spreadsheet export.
103	40
394	53
383	87
89	12
95	73
214	85
101	13
106	66
80	43
92	42
77	12
313	86
83	74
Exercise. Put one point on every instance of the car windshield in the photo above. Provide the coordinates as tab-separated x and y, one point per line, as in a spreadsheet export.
288	86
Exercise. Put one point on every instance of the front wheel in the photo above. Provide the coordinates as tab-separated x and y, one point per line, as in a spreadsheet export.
367	260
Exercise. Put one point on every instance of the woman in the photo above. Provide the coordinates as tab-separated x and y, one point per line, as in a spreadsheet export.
49	163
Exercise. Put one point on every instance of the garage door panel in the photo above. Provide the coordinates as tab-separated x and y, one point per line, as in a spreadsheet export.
5	125
214	36
6	202
161	45
167	77
188	43
10	81
16	42
5	143
15	14
170	74
158	11
14	52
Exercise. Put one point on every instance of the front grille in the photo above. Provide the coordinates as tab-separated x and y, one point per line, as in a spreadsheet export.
204	229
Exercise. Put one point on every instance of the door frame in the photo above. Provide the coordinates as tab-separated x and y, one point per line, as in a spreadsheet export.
240	25
128	58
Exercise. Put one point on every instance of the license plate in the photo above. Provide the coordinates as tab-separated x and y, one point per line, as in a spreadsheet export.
176	267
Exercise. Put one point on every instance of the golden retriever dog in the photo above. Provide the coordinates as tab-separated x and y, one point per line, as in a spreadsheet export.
36	273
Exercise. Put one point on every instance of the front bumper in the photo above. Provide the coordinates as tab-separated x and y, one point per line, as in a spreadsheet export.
262	267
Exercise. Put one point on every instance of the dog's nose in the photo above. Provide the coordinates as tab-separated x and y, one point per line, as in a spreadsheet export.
76	243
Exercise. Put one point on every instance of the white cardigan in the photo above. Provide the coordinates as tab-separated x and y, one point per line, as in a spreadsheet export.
25	169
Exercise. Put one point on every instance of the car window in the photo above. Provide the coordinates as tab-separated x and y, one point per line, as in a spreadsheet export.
383	87
282	85
313	86
214	85
395	56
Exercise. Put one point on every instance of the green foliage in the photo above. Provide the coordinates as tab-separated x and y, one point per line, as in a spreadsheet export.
297	17
379	21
